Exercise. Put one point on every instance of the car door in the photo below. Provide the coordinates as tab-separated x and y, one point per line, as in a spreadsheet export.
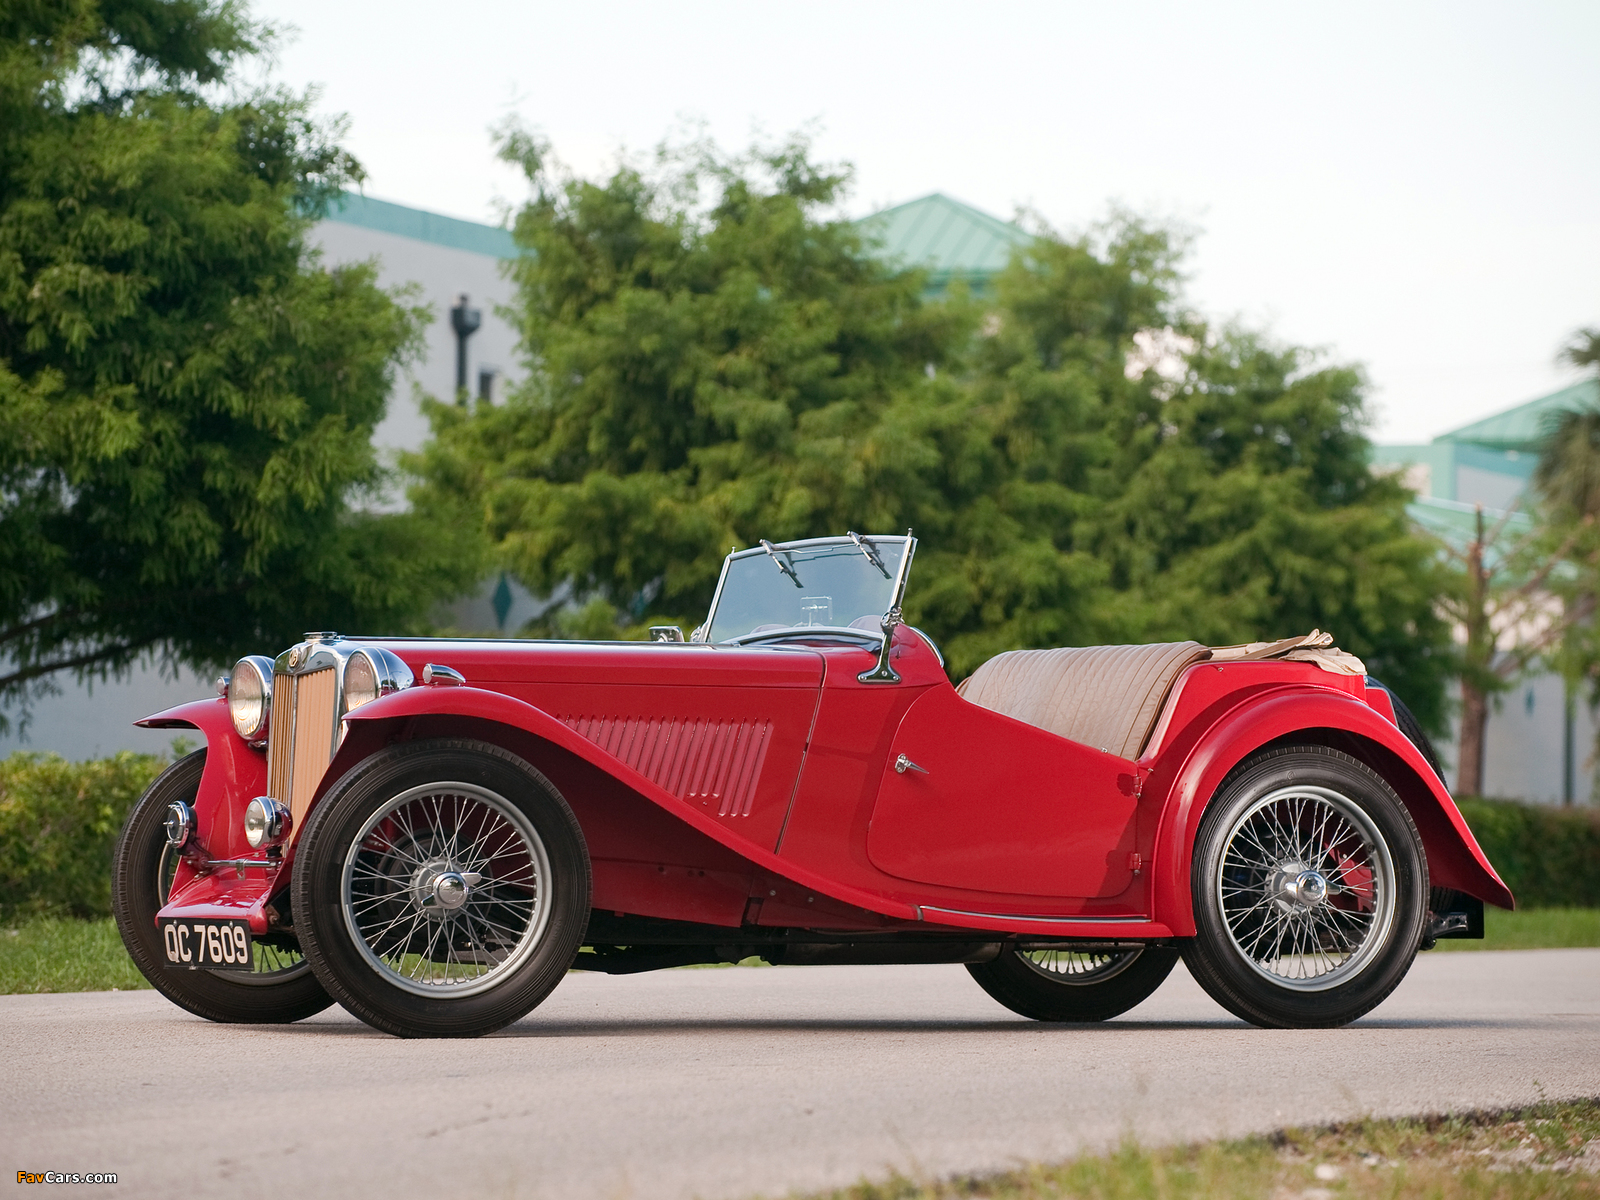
973	799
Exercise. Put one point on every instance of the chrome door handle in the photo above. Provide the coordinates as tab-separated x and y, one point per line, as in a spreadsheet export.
904	764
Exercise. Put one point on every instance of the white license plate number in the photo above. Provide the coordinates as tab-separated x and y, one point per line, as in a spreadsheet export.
206	945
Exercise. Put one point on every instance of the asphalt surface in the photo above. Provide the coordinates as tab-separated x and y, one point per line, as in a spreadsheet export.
728	1083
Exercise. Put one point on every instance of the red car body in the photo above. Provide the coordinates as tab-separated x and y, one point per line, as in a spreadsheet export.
433	831
756	786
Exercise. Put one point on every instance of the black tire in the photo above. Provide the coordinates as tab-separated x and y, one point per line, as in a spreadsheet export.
1081	987
1295	926
442	888
141	876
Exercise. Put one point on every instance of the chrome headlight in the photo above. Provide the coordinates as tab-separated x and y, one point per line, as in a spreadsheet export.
361	684
250	697
371	672
266	822
179	824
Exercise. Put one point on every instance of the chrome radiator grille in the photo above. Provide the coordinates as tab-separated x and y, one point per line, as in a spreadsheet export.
300	741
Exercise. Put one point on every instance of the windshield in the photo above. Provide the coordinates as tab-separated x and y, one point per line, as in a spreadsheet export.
824	581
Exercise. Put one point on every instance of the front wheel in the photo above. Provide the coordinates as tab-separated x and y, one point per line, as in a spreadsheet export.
1067	984
442	888
280	989
1310	890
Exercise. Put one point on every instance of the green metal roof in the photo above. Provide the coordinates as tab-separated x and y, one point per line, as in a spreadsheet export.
488	240
1456	524
950	239
1522	428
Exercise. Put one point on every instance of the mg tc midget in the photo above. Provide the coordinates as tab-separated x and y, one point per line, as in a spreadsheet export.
434	832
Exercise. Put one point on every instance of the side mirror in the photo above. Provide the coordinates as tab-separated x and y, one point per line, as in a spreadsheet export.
883	672
665	633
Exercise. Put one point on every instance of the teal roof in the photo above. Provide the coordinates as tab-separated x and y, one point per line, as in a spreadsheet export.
951	240
1456	524
488	240
1522	428
1507	444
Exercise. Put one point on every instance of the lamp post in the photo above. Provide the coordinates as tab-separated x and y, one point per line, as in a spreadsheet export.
465	322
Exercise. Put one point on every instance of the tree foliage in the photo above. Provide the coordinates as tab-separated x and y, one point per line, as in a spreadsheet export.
716	355
186	396
1566	483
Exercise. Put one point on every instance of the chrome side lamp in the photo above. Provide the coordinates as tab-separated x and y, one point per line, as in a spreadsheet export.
883	672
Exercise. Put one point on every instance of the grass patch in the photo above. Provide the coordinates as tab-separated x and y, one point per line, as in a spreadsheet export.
1533	929
1552	1150
54	954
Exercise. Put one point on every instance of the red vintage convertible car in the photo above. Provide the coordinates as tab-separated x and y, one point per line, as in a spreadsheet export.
433	832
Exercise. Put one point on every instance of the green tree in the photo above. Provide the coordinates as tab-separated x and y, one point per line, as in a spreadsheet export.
1582	351
709	373
1509	579
1567	483
186	396
700	377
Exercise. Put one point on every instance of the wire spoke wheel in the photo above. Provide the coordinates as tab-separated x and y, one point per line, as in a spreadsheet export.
1307	887
281	987
1310	890
443	889
1080	968
1067	982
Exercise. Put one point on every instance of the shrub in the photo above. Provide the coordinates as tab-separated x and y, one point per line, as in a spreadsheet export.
58	823
1549	857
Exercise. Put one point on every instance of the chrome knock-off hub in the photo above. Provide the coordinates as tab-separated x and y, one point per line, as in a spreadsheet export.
1296	886
450	891
1309	887
440	890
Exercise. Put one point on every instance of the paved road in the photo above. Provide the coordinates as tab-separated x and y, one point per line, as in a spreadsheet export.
725	1083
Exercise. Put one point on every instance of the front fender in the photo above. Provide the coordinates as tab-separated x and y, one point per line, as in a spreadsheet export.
234	775
1455	860
381	720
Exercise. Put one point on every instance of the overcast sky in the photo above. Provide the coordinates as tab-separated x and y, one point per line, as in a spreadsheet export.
1411	186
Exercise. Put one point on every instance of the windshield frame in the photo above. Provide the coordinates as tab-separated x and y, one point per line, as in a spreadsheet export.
874	636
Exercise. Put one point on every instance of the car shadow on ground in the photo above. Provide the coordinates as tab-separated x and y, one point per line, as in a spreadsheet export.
599	1027
534	1026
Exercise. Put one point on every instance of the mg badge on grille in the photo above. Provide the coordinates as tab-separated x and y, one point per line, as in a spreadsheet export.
294	657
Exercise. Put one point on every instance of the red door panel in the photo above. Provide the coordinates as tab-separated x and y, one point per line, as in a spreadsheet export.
1003	807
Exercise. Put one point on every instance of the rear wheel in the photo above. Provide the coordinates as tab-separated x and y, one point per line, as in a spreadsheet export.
280	989
1310	890
1064	984
443	888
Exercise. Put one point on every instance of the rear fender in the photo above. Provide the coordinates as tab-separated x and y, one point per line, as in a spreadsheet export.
506	721
1319	717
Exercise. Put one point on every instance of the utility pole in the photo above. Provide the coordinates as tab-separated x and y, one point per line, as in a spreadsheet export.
465	322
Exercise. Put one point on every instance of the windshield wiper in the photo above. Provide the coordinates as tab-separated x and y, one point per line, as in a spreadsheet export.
871	551
783	565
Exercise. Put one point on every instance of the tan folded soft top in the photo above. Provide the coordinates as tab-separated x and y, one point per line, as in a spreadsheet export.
1110	696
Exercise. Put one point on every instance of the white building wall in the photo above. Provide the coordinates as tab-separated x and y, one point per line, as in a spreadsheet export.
1527	748
441	274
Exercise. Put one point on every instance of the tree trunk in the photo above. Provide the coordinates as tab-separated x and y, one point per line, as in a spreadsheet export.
1469	747
1479	656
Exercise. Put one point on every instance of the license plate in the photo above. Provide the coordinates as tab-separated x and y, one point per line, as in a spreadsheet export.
207	945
